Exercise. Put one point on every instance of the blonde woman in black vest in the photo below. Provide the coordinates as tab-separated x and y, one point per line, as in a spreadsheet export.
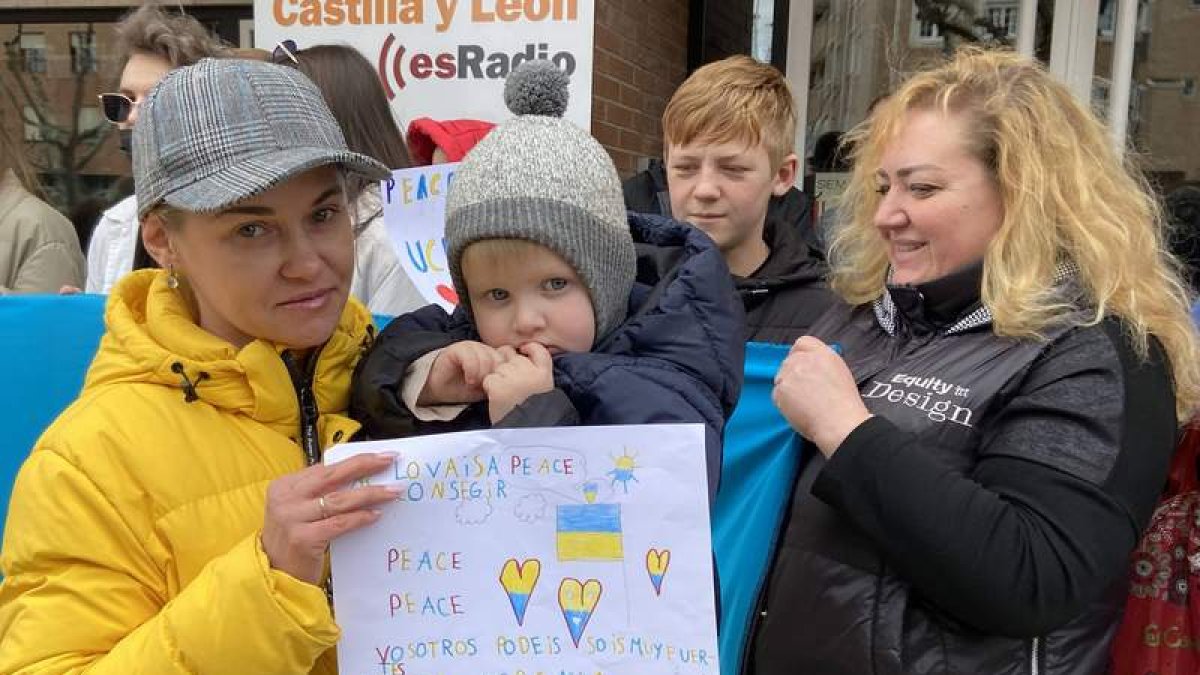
1016	355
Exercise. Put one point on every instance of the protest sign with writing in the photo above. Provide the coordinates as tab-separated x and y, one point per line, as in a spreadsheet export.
572	549
414	211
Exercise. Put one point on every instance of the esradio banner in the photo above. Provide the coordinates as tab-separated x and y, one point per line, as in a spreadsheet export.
445	59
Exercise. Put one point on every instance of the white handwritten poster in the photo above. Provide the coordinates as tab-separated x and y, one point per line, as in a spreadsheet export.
414	212
565	550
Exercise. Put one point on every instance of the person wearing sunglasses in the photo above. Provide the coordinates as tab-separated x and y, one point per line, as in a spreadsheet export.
175	519
153	43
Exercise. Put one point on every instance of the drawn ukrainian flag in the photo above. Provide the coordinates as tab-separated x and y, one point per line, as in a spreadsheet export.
589	532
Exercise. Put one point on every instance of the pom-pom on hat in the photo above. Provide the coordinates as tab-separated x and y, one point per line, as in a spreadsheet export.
537	88
540	178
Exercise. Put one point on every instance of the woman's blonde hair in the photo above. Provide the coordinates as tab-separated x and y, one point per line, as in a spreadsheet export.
1067	195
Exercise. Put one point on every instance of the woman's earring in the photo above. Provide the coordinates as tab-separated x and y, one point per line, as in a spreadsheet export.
172	277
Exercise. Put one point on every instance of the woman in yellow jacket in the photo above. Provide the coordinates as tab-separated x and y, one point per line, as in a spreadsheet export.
166	522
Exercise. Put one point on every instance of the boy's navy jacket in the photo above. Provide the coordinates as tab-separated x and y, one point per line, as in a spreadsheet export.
677	357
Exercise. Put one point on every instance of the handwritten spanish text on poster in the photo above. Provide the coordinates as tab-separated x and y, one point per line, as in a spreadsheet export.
414	211
572	549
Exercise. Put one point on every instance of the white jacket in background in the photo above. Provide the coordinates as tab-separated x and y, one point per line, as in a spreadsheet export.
380	282
110	253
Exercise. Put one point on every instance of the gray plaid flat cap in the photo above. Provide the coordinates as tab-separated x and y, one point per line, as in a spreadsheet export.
223	130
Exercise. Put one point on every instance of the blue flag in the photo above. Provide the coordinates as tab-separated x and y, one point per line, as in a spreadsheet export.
761	458
46	343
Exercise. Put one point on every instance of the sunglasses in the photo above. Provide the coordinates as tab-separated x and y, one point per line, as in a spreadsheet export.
116	107
285	50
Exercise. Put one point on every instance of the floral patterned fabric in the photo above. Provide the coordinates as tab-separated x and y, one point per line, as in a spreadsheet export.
1160	632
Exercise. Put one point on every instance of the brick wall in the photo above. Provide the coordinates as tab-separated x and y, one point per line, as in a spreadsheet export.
640	58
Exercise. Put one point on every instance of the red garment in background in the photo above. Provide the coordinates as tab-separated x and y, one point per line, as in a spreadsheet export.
1160	631
454	137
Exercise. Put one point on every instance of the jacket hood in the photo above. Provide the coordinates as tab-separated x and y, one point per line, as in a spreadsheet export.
151	338
792	261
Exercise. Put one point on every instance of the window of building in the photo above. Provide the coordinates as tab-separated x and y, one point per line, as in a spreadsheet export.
924	32
762	30
33	52
33	130
1002	17
83	52
246	33
89	118
1107	22
1158	124
56	51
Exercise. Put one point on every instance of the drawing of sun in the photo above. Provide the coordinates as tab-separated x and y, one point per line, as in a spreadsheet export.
622	471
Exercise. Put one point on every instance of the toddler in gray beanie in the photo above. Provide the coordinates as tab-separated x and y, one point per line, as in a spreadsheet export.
561	321
541	179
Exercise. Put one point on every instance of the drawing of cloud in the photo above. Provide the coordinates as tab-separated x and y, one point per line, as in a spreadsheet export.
473	511
531	508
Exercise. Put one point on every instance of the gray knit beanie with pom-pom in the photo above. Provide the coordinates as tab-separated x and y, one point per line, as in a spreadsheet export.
540	178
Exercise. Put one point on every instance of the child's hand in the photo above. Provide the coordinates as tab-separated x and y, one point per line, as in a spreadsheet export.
521	376
458	372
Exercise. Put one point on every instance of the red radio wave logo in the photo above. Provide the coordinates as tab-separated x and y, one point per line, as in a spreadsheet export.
397	71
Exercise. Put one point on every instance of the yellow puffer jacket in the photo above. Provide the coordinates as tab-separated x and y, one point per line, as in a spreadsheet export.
132	542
